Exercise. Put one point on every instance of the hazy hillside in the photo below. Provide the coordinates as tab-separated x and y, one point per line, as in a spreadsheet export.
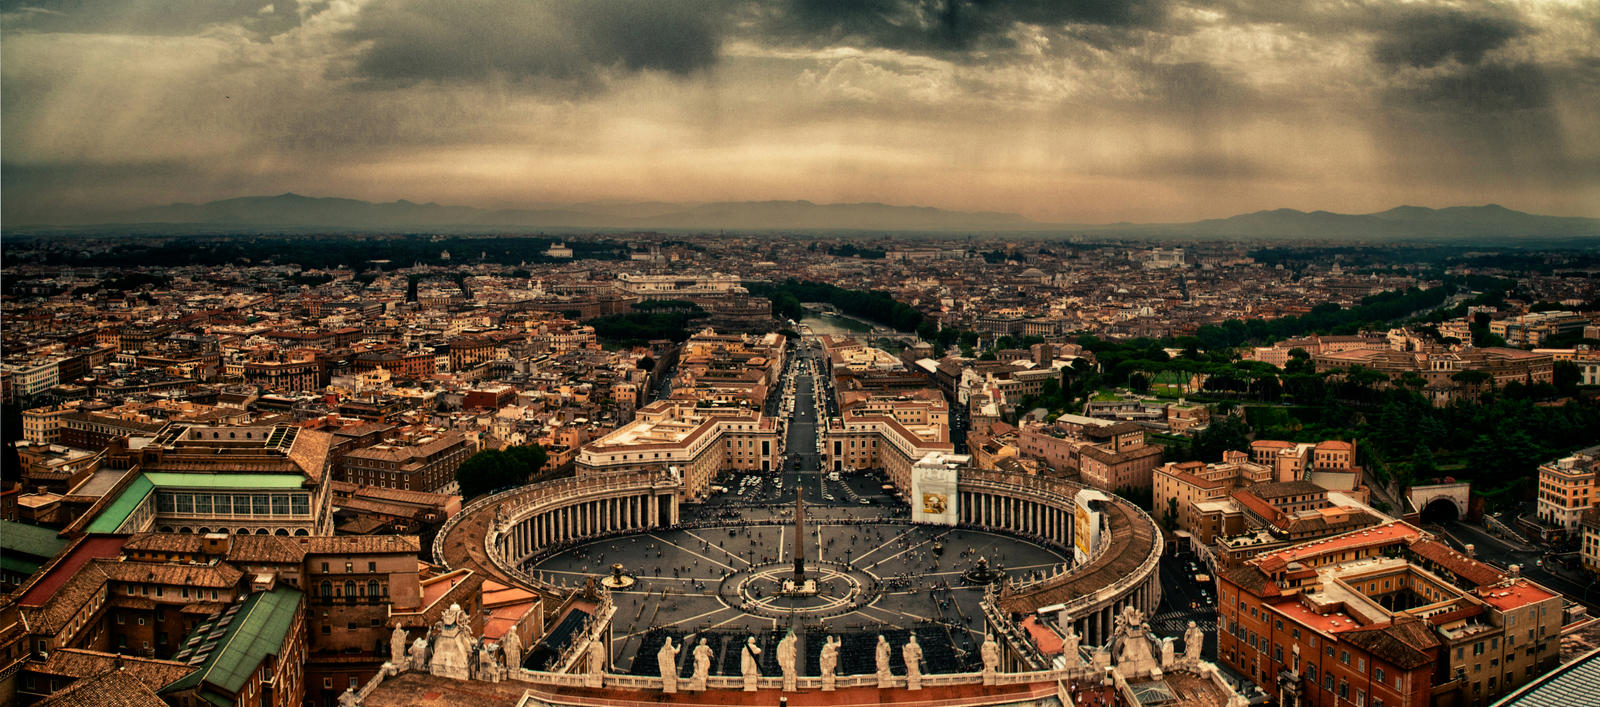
293	211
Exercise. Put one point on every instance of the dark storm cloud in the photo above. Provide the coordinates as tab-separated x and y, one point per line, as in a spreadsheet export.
1428	37
1486	88
1193	87
572	42
148	17
946	27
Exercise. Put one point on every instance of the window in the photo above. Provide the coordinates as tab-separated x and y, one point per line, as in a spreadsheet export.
1344	690
1377	674
372	567
1344	657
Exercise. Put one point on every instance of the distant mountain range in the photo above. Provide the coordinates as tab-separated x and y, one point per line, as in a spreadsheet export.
295	212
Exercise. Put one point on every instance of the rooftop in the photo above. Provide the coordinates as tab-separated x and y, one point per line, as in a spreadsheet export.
227	648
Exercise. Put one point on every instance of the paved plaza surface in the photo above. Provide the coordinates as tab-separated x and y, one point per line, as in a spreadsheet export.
721	577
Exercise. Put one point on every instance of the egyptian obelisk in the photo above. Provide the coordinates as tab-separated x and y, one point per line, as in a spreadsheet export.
799	538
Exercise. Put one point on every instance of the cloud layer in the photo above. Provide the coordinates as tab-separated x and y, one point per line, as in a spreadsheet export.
1075	110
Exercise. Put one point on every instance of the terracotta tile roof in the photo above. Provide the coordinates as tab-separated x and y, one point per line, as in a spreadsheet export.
1251	579
1462	566
360	544
110	689
78	663
1516	594
265	549
58	572
218	575
1283	489
310	452
1388	645
68	602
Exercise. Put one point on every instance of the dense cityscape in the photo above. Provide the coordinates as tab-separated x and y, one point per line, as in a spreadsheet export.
491	467
799	353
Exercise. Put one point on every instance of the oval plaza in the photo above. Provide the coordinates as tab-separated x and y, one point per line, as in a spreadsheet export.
706	550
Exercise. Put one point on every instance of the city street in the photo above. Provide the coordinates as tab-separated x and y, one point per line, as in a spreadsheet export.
1499	552
1184	600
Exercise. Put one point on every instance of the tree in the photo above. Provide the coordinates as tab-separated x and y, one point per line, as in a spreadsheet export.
492	469
1567	376
1225	433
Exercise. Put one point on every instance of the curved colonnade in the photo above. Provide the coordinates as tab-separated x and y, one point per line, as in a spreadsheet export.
1121	572
497	534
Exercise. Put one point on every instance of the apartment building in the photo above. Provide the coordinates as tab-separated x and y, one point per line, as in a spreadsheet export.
427	463
1384	616
1566	491
698	441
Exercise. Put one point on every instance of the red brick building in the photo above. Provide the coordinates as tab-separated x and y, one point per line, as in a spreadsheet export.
1381	617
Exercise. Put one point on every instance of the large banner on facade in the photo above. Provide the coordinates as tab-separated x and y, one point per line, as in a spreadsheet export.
1085	524
933	492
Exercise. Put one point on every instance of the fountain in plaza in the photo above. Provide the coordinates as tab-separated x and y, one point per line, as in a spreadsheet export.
617	580
980	573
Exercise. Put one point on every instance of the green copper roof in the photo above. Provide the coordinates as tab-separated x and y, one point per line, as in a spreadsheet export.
227	648
21	538
117	513
174	479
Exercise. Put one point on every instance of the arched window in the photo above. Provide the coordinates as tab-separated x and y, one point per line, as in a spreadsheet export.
372	587
326	589
349	588
282	532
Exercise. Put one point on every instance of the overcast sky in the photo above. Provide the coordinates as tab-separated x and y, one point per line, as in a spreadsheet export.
1061	110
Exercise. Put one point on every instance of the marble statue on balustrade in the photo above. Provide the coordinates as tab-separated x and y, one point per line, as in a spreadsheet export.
1167	651
1133	644
419	654
511	648
667	662
990	651
594	676
702	665
1101	659
1193	640
749	666
397	646
348	698
488	663
828	661
452	645
786	661
912	653
885	677
1069	644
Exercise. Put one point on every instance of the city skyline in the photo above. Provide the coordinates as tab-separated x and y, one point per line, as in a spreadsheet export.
1071	113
